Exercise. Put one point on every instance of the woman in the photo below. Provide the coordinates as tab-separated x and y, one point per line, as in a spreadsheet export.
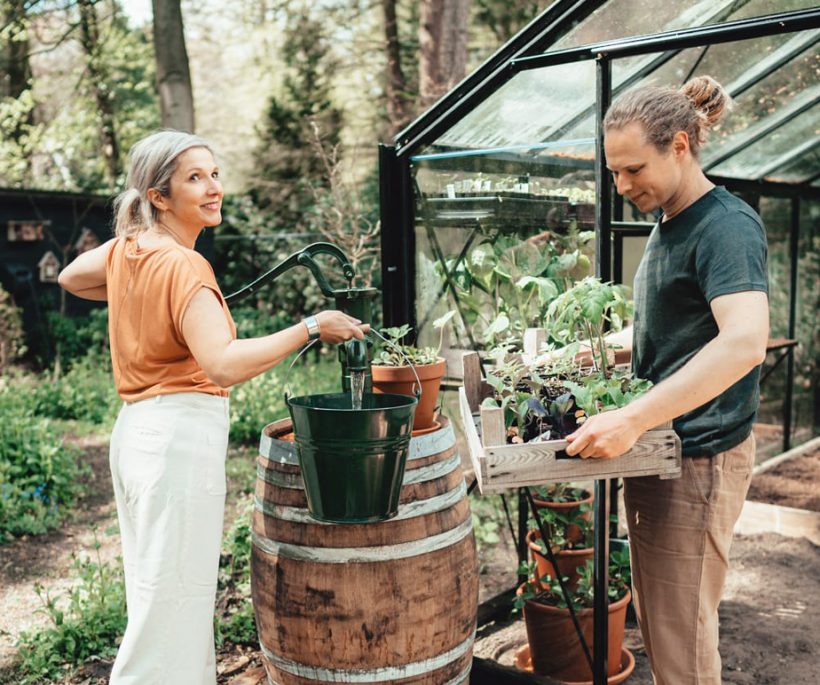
700	332
174	354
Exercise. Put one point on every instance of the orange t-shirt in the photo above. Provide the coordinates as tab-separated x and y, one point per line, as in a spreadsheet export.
148	292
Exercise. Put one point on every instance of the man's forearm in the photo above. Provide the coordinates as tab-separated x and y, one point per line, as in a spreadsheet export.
719	365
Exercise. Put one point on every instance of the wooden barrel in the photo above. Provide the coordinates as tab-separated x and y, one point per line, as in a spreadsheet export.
388	602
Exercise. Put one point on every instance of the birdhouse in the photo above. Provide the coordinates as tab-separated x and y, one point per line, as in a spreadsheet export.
88	240
24	231
49	267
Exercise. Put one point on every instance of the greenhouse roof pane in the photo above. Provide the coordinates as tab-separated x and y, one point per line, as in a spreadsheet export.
620	18
524	111
798	171
773	79
755	160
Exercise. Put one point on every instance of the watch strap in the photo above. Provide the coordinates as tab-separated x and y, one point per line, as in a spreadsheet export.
312	325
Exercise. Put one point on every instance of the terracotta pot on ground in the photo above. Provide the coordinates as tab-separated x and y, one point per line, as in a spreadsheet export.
568	560
554	645
400	380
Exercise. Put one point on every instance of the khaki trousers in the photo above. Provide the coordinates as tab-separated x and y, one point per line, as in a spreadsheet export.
168	466
680	532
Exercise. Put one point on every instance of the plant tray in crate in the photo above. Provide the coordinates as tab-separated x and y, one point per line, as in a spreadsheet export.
499	466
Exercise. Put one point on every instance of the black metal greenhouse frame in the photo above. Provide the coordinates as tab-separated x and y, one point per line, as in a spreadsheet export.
524	52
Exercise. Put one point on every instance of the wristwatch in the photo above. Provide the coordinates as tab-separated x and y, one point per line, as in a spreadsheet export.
312	324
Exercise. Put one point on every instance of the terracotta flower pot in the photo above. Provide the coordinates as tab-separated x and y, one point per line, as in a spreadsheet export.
554	645
400	380
574	532
568	560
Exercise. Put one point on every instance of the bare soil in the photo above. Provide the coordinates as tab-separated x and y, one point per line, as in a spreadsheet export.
769	632
793	483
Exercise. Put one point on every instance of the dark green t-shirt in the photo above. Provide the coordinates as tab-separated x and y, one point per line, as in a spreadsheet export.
716	246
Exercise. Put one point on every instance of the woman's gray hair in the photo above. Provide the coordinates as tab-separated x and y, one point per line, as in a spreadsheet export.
153	161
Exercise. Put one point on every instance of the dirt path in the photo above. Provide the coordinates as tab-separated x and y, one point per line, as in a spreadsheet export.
47	559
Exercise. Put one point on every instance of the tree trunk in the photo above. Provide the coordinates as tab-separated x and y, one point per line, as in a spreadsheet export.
397	104
173	75
443	46
90	39
15	70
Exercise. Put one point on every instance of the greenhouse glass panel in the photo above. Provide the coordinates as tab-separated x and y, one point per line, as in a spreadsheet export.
497	228
803	168
776	216
525	110
754	160
620	18
807	353
786	94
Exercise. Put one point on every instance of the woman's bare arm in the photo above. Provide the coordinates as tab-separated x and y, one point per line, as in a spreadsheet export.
85	276
227	361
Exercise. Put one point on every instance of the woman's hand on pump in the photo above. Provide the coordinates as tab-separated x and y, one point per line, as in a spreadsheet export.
336	327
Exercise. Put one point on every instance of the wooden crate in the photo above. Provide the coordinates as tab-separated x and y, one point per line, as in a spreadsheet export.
499	466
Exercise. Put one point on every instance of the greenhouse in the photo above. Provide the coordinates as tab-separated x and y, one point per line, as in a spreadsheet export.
509	164
514	151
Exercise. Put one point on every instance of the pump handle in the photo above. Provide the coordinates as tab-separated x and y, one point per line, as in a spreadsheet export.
303	257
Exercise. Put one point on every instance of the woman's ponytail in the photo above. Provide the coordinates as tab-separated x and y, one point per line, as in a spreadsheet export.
129	218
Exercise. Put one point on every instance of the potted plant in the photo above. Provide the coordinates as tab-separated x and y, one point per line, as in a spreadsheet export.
570	538
551	396
554	646
392	373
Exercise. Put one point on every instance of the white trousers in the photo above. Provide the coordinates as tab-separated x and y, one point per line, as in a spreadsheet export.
168	466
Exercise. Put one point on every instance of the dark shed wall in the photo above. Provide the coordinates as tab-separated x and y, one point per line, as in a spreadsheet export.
63	216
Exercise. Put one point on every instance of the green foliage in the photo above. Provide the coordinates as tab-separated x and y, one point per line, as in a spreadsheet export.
259	401
585	310
561	523
235	622
89	626
597	393
76	338
12	337
505	285
286	168
547	590
65	140
505	19
39	473
488	519
85	393
395	353
247	247
560	492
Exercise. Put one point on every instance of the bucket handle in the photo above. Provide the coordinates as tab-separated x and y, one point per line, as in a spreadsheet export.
399	350
372	330
290	368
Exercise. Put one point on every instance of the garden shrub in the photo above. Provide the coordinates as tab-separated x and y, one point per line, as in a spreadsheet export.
235	622
85	393
88	627
12	337
39	473
76	339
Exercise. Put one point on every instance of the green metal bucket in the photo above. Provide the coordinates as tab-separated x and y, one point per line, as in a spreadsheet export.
352	460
